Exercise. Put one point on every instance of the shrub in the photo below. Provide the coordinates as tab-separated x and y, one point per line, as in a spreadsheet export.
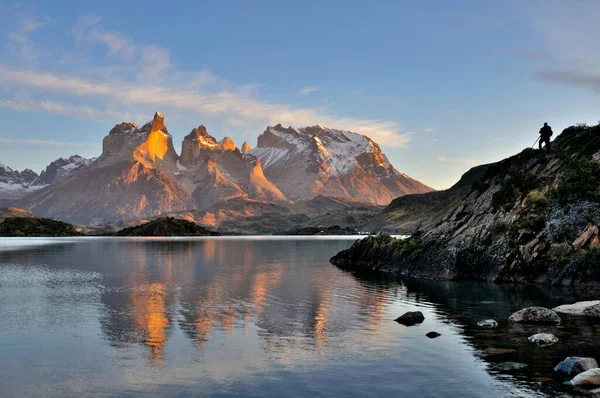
408	245
566	223
512	189
579	180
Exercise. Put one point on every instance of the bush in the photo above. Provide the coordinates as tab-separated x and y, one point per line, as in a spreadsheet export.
579	180
566	223
408	245
512	189
589	263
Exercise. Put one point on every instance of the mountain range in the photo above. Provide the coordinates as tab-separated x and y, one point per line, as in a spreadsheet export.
140	175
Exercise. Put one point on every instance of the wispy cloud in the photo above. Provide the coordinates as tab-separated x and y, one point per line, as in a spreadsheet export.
444	159
36	141
231	103
429	130
308	90
20	37
140	78
575	78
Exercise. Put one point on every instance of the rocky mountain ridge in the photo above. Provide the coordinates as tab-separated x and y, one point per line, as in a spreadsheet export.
311	161
139	174
532	218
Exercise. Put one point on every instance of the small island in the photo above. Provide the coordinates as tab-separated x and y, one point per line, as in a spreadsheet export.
167	226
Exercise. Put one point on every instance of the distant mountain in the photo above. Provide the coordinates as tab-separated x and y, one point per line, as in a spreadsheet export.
133	178
312	161
15	184
139	175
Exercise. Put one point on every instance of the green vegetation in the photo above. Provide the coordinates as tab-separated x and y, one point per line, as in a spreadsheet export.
512	189
408	245
579	180
26	226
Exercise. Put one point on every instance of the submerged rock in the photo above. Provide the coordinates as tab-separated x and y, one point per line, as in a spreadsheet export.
589	378
508	366
411	318
572	366
543	339
487	324
535	315
588	308
433	335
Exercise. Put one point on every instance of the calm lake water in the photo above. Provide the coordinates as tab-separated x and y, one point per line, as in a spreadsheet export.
257	317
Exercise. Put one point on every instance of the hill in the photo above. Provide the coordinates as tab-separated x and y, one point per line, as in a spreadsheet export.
531	218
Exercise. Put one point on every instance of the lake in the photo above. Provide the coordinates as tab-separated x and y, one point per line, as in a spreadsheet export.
257	316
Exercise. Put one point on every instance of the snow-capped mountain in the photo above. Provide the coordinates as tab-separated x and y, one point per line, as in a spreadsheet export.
140	175
15	184
62	168
133	178
311	161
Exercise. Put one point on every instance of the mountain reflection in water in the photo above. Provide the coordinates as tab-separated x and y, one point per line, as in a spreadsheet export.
260	317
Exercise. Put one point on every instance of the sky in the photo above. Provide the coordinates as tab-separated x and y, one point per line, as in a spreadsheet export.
441	86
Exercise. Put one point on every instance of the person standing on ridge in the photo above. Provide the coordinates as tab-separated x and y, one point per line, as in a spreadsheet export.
545	134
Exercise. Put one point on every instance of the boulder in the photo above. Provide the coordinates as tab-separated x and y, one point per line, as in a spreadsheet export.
543	339
411	318
572	366
508	366
587	236
535	315
588	308
433	335
487	324
589	378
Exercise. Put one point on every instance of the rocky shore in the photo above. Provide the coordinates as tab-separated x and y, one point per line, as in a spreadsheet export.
531	218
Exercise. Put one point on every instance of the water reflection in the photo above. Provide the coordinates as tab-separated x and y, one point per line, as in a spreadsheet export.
228	314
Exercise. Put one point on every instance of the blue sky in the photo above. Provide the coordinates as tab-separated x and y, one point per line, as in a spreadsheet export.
440	85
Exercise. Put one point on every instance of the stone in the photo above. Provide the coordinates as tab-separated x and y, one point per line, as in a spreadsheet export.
590	232
572	366
589	378
543	339
433	335
508	366
535	315
487	324
411	318
587	308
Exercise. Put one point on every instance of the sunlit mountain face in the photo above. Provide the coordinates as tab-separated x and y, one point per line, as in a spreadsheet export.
140	175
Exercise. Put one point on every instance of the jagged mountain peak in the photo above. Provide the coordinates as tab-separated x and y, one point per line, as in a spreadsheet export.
246	147
123	128
308	161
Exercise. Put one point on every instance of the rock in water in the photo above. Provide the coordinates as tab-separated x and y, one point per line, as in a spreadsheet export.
411	318
535	315
487	324
433	335
543	339
589	378
572	366
508	366
588	308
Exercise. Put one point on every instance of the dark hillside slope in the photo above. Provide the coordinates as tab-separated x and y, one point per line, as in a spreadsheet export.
532	218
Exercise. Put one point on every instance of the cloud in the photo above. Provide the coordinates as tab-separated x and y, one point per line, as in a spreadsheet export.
155	61
530	55
139	78
237	104
429	130
574	78
36	141
20	37
308	90
444	159
117	45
